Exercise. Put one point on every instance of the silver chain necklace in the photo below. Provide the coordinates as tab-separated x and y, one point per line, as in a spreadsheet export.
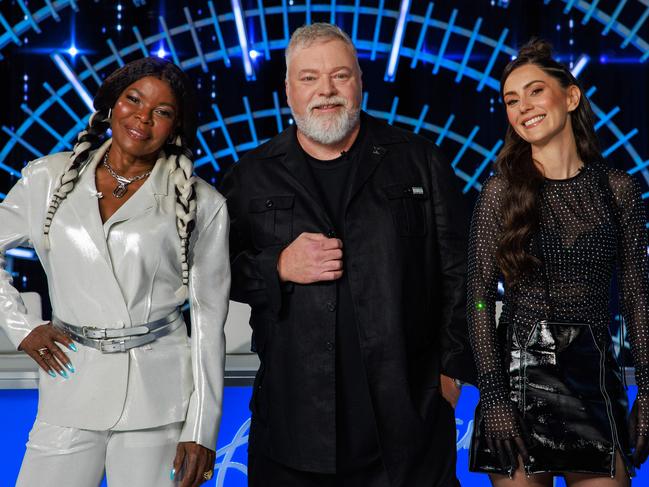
122	181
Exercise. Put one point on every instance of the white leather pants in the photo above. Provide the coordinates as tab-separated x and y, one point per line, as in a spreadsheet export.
71	457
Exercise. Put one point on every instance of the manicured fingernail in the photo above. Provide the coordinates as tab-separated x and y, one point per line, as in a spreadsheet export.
64	374
72	347
51	372
70	367
172	474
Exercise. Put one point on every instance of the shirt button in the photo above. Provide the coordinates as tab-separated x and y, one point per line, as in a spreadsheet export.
269	203
331	233
331	306
329	347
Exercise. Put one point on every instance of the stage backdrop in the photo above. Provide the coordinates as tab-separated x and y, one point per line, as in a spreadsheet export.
430	67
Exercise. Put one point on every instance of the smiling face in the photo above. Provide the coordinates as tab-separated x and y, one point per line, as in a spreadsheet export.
537	105
323	89
143	118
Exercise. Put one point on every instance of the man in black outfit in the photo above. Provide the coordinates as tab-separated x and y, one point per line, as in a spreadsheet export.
348	240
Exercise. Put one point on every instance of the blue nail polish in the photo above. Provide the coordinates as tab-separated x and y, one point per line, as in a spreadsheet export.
51	372
72	347
64	374
70	367
172	474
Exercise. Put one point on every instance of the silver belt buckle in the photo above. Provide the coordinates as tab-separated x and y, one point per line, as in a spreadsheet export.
92	329
121	343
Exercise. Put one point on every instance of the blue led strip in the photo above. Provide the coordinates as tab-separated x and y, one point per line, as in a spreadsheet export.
113	49
73	79
61	102
22	142
422	35
170	43
611	22
445	130
226	133
605	118
489	158
447	35
469	48
37	118
31	21
420	120
397	41
239	21
492	60
639	167
366	96
357	8
53	12
277	112
308	12
91	70
619	142
569	5
140	41
589	12
208	152
614	17
635	28
219	34
28	16
251	120
195	40
287	34
332	10
393	110
465	146
9	32
377	30
264	31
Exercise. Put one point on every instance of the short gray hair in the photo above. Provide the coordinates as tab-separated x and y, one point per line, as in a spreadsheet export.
319	31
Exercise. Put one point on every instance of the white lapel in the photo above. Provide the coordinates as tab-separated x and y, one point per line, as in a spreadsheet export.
144	198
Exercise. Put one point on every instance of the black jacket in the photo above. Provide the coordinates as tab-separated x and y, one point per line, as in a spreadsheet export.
405	258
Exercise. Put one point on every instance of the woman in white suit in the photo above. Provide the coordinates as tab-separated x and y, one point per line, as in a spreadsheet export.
125	234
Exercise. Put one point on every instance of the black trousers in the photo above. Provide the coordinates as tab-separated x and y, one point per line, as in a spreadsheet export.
264	472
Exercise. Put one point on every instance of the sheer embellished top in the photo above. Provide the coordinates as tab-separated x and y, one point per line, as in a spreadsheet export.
586	231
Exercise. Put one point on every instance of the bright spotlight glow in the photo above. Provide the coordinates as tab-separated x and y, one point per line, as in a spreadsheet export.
73	51
161	52
254	54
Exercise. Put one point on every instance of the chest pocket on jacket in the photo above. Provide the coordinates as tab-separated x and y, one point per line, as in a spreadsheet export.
271	218
408	206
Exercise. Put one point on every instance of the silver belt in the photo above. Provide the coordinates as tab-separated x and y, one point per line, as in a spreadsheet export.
112	340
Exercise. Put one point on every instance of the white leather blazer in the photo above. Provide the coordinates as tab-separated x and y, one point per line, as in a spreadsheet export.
123	273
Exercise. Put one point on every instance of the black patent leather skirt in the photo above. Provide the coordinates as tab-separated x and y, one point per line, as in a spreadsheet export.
569	391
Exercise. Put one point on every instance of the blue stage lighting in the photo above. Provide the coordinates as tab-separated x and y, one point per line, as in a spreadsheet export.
73	51
254	54
237	10
580	65
161	53
397	41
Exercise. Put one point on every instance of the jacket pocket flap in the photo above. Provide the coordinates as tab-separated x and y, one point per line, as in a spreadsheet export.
404	190
259	205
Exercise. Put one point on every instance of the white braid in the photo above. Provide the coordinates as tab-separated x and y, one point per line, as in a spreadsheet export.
185	211
68	178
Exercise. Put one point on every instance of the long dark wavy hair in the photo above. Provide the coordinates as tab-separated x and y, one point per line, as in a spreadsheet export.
524	180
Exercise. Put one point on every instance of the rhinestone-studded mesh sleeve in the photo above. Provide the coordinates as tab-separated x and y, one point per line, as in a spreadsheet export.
634	281
482	283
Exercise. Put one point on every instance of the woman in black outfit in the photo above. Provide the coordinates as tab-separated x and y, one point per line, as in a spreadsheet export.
556	223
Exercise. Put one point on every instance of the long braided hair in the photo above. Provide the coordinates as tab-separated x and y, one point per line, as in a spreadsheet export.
524	180
178	146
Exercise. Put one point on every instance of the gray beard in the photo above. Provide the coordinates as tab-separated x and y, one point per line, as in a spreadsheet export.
328	130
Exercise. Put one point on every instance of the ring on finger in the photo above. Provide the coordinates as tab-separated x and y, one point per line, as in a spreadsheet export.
208	475
42	352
